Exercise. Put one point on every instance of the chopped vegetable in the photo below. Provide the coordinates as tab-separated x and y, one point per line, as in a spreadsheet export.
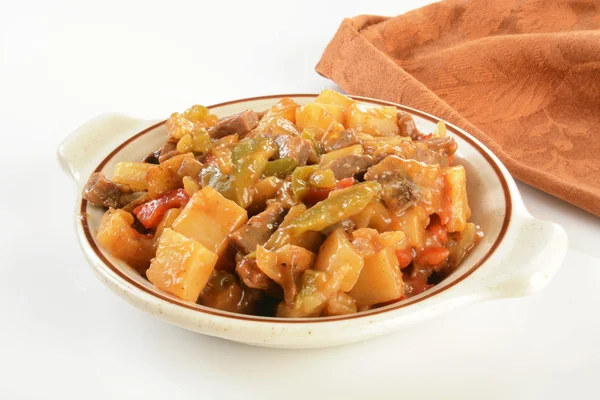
351	208
280	168
122	241
348	202
151	213
200	222
182	266
132	174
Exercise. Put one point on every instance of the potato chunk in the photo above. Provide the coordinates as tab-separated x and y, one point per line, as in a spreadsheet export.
455	179
377	121
380	280
209	218
340	304
122	241
182	266
315	115
329	96
340	260
132	174
166	222
164	177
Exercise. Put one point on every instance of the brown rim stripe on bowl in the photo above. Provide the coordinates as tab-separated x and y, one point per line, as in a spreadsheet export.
431	292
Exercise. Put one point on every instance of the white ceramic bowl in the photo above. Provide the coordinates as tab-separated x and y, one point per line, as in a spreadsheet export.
518	255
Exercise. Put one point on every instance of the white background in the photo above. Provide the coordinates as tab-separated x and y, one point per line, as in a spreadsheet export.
65	336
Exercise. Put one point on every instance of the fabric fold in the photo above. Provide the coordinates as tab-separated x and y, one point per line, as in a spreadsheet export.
523	76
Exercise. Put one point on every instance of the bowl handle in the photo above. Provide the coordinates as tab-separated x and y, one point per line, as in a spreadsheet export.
543	246
84	149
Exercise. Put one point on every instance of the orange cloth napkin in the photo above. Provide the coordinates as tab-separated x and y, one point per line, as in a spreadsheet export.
523	76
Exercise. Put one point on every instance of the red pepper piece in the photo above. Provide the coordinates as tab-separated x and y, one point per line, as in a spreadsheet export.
151	213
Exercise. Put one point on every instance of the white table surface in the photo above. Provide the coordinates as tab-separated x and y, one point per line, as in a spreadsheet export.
63	335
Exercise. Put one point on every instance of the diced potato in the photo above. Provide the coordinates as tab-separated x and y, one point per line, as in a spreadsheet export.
380	280
337	112
381	219
377	121
190	185
329	96
455	179
413	223
132	174
363	218
167	222
368	241
178	126
275	126
315	115
466	240
333	155
395	239
182	266
340	260
364	241
440	130
285	108
164	177
123	242
209	218
340	304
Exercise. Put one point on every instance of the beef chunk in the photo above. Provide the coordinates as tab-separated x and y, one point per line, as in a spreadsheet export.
407	126
101	192
167	151
338	140
398	191
252	276
350	165
259	228
240	123
152	158
443	145
294	147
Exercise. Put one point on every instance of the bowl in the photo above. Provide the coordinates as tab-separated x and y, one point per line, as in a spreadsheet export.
517	256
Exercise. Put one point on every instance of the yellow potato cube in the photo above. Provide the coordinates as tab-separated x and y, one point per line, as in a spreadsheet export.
380	280
413	223
455	179
340	304
285	108
164	177
314	115
381	218
363	218
166	222
182	266
337	112
329	96
340	260
132	174
209	218
377	121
